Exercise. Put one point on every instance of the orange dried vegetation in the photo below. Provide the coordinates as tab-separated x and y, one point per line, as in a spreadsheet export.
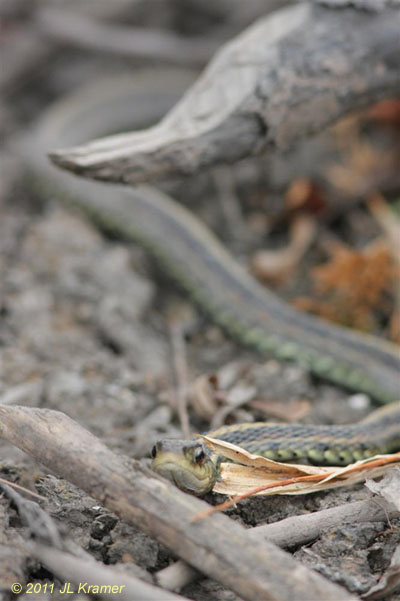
386	111
353	288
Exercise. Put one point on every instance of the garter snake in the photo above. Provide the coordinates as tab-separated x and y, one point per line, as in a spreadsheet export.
194	468
187	251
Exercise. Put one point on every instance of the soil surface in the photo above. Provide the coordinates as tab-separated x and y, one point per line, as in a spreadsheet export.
88	326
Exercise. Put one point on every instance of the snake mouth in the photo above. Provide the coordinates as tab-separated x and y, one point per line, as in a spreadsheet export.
187	464
183	478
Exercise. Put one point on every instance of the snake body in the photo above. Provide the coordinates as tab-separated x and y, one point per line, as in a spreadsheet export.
190	254
323	445
187	251
192	466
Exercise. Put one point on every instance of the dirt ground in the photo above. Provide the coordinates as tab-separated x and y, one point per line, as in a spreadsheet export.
87	327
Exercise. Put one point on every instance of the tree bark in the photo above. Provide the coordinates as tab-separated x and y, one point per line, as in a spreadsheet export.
287	76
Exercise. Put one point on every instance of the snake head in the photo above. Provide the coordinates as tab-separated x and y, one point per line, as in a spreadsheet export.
189	464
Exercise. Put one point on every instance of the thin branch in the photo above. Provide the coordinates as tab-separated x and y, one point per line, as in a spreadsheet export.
181	375
39	523
301	529
6	483
266	89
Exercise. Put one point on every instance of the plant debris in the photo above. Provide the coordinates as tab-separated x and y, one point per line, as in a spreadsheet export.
246	474
354	287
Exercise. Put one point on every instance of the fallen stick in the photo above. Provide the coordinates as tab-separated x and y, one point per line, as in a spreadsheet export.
287	76
87	576
301	529
290	532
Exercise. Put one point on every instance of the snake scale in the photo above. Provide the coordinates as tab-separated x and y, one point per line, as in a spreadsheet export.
190	254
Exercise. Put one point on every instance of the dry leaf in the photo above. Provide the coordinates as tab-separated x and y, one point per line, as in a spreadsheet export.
253	474
358	160
240	394
390	224
388	487
202	396
304	194
386	111
352	287
390	581
292	411
278	265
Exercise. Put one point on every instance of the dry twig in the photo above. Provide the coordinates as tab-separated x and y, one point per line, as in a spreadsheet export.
278	265
93	577
293	531
181	375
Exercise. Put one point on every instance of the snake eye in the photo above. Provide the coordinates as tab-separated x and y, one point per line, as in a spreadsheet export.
154	452
199	455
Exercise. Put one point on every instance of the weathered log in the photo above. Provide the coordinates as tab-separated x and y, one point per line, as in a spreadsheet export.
287	76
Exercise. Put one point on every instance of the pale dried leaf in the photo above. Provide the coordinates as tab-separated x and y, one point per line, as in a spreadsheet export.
243	457
390	581
292	411
388	487
202	397
229	373
253	474
277	265
389	222
238	396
